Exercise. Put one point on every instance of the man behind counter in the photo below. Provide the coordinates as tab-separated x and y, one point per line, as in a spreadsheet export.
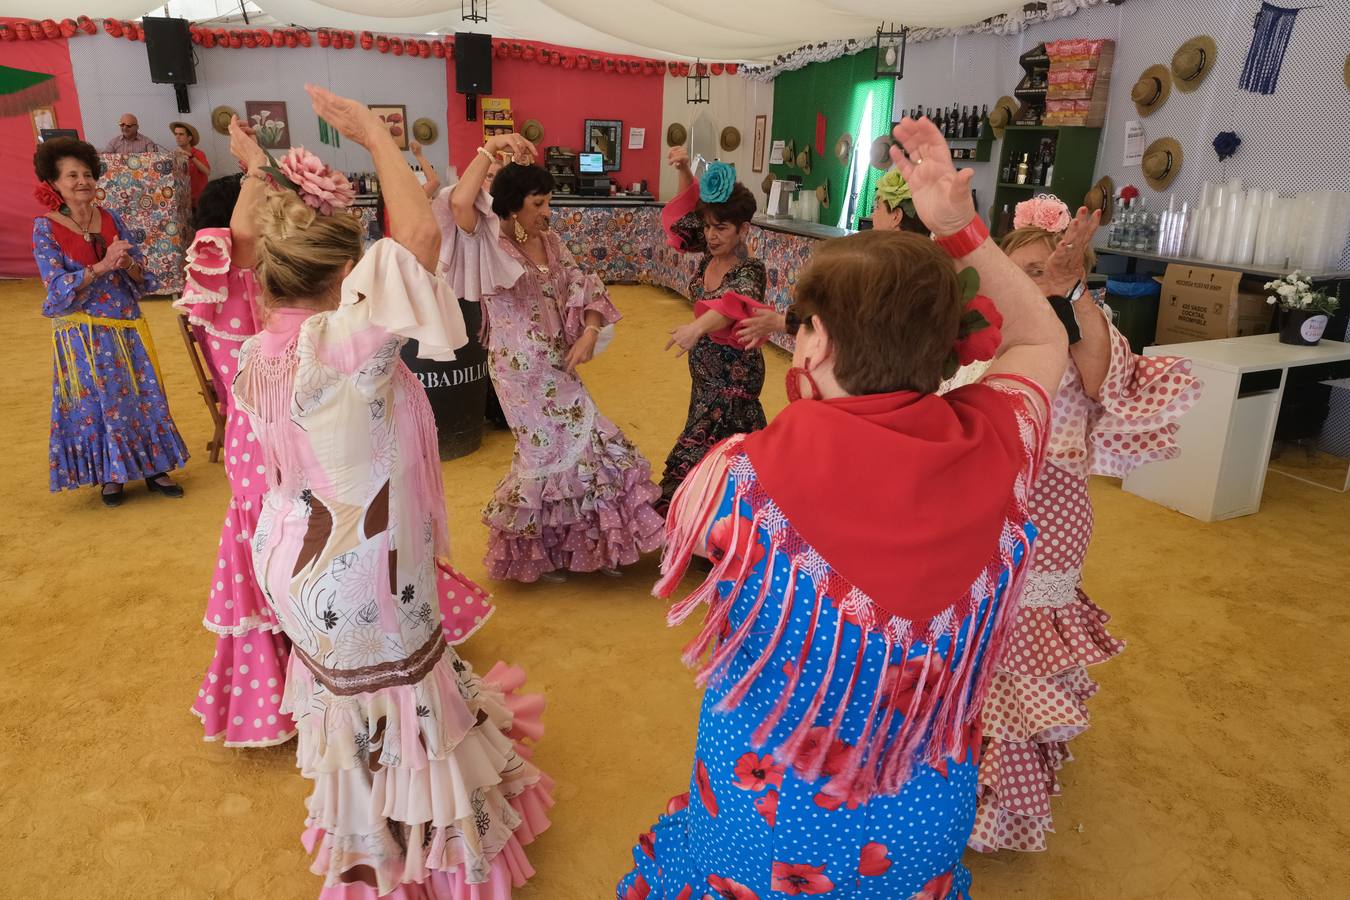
130	140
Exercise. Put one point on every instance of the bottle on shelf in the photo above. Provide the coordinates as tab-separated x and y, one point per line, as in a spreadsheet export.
1005	220
984	114
1144	227
1125	234
952	123
1113	229
1024	169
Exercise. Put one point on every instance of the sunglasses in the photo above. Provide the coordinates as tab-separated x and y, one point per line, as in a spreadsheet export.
794	319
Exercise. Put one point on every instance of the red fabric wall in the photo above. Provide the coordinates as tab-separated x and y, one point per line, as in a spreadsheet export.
17	143
562	100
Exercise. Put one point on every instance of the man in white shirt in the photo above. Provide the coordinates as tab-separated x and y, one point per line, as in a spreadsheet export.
130	140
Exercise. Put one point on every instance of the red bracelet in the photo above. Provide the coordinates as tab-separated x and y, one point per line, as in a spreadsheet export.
964	242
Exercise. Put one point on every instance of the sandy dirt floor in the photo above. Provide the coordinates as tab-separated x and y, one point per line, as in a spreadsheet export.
1215	767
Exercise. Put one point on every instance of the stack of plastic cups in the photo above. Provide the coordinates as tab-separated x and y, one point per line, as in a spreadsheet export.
1251	221
1261	252
1211	248
1234	200
1195	235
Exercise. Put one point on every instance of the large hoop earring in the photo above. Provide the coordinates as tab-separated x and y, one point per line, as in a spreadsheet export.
521	234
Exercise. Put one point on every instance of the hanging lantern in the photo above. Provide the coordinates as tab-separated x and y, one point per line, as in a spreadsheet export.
890	61
473	10
697	86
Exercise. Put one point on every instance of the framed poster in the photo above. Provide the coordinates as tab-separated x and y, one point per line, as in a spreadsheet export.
269	123
44	119
761	126
604	136
395	119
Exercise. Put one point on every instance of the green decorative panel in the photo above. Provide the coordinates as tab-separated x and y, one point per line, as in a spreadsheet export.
853	102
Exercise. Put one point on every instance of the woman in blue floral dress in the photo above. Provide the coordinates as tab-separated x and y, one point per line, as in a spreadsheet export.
110	418
867	552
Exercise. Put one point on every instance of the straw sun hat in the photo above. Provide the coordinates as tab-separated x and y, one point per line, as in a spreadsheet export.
1151	90
1162	160
1002	115
1192	62
193	136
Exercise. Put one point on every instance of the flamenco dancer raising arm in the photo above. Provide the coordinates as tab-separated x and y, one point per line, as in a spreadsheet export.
1034	342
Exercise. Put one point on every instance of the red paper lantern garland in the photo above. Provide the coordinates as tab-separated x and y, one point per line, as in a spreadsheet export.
339	39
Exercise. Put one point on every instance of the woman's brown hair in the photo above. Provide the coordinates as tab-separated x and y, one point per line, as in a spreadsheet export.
737	209
47	159
301	254
892	306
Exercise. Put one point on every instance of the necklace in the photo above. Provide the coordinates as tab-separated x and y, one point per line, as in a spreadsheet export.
84	229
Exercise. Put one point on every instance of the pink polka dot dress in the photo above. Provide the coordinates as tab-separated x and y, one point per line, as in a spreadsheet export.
240	695
1037	701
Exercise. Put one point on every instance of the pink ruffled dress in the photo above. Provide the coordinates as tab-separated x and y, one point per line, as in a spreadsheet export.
579	496
1037	701
422	787
239	700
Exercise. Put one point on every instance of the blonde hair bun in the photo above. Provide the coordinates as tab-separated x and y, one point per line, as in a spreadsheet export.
301	253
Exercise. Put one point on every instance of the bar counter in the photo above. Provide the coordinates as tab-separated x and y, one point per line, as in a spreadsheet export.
620	239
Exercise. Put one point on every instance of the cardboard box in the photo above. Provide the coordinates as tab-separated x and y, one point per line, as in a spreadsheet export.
1203	304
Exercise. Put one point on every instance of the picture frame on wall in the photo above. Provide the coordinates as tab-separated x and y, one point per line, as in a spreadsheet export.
44	119
761	127
395	118
270	123
604	136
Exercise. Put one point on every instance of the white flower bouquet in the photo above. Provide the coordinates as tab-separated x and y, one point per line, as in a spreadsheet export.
1293	291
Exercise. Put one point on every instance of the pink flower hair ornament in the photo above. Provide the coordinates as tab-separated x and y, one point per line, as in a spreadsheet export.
1044	211
318	185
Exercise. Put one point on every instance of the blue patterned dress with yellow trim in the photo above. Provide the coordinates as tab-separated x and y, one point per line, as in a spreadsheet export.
110	417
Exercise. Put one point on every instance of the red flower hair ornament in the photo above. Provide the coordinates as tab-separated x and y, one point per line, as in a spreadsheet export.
48	196
980	333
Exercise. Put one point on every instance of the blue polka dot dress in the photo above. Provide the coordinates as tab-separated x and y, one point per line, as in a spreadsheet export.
806	780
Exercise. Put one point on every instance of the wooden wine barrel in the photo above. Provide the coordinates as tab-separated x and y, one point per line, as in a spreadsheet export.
457	389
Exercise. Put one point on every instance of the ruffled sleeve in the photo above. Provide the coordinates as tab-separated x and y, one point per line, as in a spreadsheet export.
474	265
1141	399
218	296
742	294
683	229
585	293
61	275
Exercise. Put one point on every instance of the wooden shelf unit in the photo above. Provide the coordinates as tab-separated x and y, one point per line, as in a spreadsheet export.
1075	163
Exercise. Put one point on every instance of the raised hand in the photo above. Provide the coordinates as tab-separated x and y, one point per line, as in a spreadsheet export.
244	146
1065	267
941	192
678	157
518	148
352	118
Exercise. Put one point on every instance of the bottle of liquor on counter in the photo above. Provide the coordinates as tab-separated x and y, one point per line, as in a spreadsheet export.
1145	227
1024	169
951	121
984	114
1113	229
1125	234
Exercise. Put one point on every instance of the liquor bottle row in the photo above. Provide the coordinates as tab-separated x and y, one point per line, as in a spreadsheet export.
962	123
366	182
1032	167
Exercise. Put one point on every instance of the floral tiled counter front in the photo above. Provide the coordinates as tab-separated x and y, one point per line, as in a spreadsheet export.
150	192
624	244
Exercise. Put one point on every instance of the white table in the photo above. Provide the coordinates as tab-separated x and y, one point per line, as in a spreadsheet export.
1226	438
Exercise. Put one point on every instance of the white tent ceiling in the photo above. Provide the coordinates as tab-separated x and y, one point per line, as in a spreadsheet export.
712	29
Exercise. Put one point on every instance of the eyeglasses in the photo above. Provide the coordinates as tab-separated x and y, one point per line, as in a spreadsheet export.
792	319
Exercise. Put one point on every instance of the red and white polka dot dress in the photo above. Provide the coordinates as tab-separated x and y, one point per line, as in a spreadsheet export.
1037	700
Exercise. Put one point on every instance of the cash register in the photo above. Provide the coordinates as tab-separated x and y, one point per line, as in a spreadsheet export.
591	180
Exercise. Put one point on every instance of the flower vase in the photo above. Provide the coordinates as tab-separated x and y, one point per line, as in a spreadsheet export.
1302	327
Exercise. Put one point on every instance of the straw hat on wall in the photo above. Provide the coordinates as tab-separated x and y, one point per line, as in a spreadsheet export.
730	138
1162	160
1151	90
676	135
1002	115
1101	196
1192	62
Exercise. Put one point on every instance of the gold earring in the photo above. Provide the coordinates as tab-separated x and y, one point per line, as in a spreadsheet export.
521	235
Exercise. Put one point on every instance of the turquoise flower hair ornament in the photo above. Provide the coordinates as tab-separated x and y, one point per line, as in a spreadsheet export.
717	183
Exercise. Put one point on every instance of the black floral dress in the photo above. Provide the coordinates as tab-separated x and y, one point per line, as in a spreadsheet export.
726	381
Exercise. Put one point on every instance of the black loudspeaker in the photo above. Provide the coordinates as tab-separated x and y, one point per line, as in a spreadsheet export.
473	63
169	47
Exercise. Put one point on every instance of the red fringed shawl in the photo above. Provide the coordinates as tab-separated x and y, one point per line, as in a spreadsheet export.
905	510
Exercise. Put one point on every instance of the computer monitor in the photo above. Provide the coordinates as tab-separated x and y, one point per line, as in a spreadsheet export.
593	163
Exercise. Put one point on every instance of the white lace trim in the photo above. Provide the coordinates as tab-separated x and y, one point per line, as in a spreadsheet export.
1050	589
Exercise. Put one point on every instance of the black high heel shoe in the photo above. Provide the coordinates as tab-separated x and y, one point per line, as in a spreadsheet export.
113	498
168	490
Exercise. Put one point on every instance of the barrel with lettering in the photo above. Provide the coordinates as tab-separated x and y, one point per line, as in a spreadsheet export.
457	389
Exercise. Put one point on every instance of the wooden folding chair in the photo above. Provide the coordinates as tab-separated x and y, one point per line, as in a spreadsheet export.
215	404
